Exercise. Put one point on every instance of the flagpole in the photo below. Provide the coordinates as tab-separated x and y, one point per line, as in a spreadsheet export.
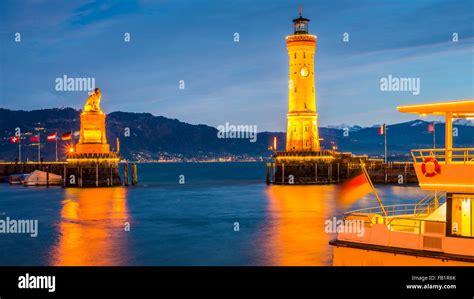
39	147
385	142
56	147
19	148
362	165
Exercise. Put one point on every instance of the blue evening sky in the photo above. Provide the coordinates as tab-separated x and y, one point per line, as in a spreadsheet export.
225	81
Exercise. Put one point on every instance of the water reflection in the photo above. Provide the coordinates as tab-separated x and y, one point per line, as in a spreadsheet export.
92	228
296	236
296	233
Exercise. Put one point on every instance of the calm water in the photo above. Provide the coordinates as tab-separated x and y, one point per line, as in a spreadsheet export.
173	224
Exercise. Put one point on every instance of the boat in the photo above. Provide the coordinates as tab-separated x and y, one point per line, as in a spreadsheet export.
17	178
436	231
41	178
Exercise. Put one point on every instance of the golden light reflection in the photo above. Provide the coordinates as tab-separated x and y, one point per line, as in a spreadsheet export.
92	228
297	234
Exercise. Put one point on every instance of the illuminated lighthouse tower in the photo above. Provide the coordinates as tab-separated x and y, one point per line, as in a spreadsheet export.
304	161
302	131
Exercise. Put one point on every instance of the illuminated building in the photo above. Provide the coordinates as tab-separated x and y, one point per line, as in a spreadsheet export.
303	161
302	131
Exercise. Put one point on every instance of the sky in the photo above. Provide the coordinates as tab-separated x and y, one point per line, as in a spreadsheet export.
244	82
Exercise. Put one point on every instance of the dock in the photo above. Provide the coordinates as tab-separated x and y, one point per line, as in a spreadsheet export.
313	171
8	168
75	175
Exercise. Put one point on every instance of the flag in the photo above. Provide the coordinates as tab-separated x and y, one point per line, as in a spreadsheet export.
354	189
14	139
431	127
52	137
382	129
34	139
66	136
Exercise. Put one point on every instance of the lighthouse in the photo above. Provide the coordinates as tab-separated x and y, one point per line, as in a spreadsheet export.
304	161
302	130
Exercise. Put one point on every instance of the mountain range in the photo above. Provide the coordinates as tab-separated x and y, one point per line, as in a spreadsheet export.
159	138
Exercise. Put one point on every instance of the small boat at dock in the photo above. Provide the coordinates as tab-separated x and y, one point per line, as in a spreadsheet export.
41	178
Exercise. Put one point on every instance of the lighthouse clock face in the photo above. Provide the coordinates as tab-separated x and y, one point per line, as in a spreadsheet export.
304	72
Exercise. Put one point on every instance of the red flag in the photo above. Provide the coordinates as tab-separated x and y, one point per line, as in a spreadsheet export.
35	139
52	137
66	136
382	129
431	127
14	139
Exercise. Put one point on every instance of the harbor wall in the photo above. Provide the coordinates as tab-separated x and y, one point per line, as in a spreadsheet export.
399	173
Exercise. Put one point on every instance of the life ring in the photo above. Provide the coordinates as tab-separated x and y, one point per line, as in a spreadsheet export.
437	167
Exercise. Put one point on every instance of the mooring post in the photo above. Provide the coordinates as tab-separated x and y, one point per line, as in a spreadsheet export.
329	172
125	174
134	174
111	177
405	178
97	174
47	176
80	176
315	172
267	174
283	173
64	176
338	172
273	172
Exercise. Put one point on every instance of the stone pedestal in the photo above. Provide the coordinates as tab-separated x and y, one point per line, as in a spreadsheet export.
93	138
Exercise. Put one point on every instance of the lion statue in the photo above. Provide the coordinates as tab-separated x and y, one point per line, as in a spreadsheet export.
93	101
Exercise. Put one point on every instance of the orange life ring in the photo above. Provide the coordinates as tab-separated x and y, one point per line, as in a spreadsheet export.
437	168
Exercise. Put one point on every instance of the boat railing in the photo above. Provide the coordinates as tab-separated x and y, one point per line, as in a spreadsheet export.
424	207
455	155
392	210
430	203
